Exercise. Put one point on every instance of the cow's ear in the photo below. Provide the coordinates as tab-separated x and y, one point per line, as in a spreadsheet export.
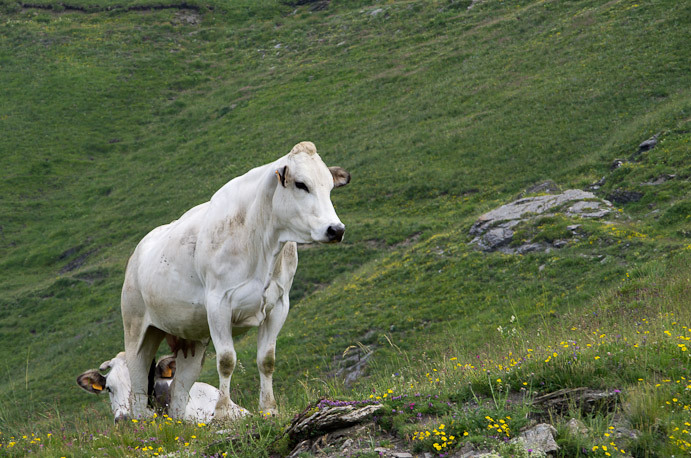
281	174
92	381
165	368
341	176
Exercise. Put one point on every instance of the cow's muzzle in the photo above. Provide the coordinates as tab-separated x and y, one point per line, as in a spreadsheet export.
335	233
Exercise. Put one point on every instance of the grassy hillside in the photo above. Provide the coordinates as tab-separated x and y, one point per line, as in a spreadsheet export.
117	117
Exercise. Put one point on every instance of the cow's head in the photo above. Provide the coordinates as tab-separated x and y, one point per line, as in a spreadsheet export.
116	382
302	201
163	377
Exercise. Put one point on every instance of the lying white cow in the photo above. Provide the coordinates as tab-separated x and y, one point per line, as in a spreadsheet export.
201	405
225	266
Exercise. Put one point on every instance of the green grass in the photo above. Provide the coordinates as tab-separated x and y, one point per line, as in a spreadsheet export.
116	120
631	339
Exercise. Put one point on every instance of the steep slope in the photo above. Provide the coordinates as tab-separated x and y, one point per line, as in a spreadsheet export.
116	122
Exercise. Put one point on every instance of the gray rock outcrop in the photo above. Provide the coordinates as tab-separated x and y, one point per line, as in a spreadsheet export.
494	230
539	438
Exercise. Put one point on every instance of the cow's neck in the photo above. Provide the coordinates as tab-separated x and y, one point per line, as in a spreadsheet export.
249	200
265	235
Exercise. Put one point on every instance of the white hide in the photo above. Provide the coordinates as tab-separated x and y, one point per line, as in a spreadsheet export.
200	408
118	385
202	403
225	266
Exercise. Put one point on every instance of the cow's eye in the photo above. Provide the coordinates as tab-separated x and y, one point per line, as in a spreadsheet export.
301	185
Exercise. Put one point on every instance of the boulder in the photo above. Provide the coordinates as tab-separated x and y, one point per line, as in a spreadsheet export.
469	451
545	187
588	209
577	427
647	145
494	230
539	438
664	178
622	196
352	364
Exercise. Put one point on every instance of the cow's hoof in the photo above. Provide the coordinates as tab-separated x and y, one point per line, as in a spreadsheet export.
227	410
270	412
234	413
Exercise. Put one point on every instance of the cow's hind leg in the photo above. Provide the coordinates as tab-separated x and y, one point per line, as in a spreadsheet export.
189	358
139	356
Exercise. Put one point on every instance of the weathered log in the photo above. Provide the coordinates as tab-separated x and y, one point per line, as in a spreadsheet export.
323	418
583	398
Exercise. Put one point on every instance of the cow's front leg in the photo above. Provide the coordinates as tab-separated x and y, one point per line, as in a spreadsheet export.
266	355
221	329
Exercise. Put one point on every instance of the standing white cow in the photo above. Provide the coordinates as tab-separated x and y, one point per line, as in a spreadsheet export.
225	266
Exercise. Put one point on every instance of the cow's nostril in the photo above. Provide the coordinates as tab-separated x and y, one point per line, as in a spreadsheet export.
335	233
